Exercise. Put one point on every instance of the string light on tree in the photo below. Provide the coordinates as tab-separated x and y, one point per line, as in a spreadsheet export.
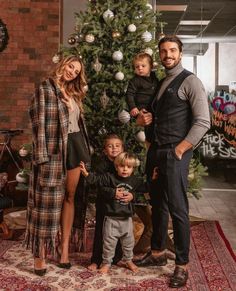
79	37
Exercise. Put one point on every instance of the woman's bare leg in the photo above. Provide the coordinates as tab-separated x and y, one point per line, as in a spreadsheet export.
68	212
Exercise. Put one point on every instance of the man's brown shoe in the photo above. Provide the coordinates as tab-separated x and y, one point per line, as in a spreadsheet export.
179	278
150	260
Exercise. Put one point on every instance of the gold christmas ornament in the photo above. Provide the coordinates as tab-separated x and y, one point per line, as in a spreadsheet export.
116	34
89	38
97	65
71	40
104	99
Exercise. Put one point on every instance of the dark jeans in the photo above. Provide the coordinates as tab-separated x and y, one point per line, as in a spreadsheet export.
98	236
169	196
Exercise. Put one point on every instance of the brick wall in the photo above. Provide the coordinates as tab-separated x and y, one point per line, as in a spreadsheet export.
33	28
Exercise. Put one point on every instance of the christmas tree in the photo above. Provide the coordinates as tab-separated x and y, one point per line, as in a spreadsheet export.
107	36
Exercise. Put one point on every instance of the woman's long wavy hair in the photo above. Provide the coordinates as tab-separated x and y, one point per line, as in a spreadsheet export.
76	87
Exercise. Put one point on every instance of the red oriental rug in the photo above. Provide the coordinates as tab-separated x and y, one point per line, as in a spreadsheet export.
212	267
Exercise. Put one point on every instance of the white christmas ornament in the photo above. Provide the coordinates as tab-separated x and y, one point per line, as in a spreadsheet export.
86	88
146	36
119	76
140	136
108	14
149	51
124	116
97	65
117	56
132	28
89	38
21	178
56	59
149	6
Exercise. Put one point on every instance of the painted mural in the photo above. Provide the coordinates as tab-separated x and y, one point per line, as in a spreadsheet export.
220	142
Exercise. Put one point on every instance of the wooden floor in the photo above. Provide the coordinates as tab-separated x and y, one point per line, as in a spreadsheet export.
218	202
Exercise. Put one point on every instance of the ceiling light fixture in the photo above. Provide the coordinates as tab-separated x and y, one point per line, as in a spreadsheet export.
171	7
194	22
187	35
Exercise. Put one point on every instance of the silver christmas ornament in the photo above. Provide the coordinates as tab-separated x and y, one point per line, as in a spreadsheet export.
149	6
104	99
71	40
132	28
119	76
56	58
146	36
117	56
89	38
97	65
108	14
149	51
140	136
124	116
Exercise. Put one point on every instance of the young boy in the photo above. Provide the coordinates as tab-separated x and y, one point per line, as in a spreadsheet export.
142	87
118	224
113	146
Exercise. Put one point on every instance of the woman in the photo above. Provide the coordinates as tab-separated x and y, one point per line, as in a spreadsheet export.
59	144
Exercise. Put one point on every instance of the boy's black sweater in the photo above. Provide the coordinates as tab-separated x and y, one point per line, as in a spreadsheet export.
110	182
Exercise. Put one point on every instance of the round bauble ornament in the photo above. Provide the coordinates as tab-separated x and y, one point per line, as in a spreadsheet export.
71	40
149	6
21	178
140	136
146	36
108	14
86	88
117	56
102	130
56	59
124	116
116	34
119	76
149	51
132	28
79	37
161	35
89	38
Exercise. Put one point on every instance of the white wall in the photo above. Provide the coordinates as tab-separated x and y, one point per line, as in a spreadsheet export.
69	9
227	63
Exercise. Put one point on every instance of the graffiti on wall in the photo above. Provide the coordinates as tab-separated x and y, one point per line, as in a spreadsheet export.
223	117
214	146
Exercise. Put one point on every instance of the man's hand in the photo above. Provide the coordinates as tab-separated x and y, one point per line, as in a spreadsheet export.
83	169
181	148
144	118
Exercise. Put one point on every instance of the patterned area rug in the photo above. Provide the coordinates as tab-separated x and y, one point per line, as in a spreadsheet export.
212	267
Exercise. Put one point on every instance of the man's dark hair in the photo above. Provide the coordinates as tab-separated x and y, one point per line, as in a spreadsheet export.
171	38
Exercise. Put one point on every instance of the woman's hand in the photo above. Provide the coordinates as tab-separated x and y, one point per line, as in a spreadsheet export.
68	101
83	170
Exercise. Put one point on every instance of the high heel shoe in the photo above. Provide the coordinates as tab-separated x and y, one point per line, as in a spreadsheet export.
62	265
40	272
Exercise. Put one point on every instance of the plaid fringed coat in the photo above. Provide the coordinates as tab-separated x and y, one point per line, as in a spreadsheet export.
50	118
